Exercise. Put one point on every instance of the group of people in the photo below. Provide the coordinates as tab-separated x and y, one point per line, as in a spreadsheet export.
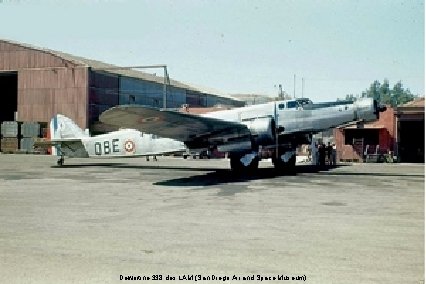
323	154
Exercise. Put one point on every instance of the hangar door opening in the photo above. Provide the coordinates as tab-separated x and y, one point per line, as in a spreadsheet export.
8	95
412	141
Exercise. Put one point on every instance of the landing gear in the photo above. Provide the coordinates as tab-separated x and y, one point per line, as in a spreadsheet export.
244	162
286	161
60	161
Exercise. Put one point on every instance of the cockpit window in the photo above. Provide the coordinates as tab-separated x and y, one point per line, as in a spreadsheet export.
291	104
281	106
304	102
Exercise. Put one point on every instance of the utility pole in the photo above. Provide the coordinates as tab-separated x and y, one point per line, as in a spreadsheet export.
294	83
166	80
303	85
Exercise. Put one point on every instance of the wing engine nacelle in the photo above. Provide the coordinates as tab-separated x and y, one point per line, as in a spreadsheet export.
262	130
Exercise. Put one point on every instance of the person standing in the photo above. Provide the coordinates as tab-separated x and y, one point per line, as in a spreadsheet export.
333	154
314	150
321	152
329	151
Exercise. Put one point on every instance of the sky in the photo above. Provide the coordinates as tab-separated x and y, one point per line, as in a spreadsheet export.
338	47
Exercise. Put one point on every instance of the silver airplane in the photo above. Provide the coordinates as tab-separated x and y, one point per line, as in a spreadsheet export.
67	139
271	130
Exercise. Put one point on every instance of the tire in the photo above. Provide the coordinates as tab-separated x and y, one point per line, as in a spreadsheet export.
285	167
238	167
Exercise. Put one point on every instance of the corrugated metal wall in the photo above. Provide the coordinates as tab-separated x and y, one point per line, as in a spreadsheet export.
136	91
103	93
47	84
195	99
14	56
212	101
44	93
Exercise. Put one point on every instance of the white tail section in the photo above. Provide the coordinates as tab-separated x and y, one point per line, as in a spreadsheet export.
62	127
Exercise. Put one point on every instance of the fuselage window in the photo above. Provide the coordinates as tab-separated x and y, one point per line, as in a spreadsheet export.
281	106
291	104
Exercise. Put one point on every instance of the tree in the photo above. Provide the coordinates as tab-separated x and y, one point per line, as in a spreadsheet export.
374	91
350	97
401	96
384	95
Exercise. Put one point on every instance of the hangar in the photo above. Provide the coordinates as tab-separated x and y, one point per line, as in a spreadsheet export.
37	83
410	131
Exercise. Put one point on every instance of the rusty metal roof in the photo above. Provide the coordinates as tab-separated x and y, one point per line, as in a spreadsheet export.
419	102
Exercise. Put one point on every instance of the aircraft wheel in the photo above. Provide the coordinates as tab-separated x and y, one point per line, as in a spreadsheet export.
285	167
238	166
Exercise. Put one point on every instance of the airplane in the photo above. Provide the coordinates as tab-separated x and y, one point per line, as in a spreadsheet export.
248	134
67	139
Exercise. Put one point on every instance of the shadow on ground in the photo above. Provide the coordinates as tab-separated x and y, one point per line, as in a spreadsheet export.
128	166
221	176
216	176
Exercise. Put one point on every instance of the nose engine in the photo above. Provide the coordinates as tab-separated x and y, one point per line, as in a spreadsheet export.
378	108
367	109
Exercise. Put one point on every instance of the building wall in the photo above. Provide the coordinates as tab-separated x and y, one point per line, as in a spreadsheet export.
212	101
343	151
14	57
47	84
385	127
137	91
196	99
387	137
410	132
103	93
44	93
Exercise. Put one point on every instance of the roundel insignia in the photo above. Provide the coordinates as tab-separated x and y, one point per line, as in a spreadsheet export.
149	119
129	146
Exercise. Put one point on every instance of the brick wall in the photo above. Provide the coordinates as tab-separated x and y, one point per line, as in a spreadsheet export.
385	125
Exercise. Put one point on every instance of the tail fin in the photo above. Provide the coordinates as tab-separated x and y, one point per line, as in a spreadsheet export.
62	127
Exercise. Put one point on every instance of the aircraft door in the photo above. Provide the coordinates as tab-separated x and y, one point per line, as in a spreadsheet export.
286	115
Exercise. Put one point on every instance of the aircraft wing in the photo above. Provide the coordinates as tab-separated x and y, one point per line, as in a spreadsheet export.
72	147
171	124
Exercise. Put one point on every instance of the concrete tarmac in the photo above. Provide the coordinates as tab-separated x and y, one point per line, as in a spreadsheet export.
99	221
